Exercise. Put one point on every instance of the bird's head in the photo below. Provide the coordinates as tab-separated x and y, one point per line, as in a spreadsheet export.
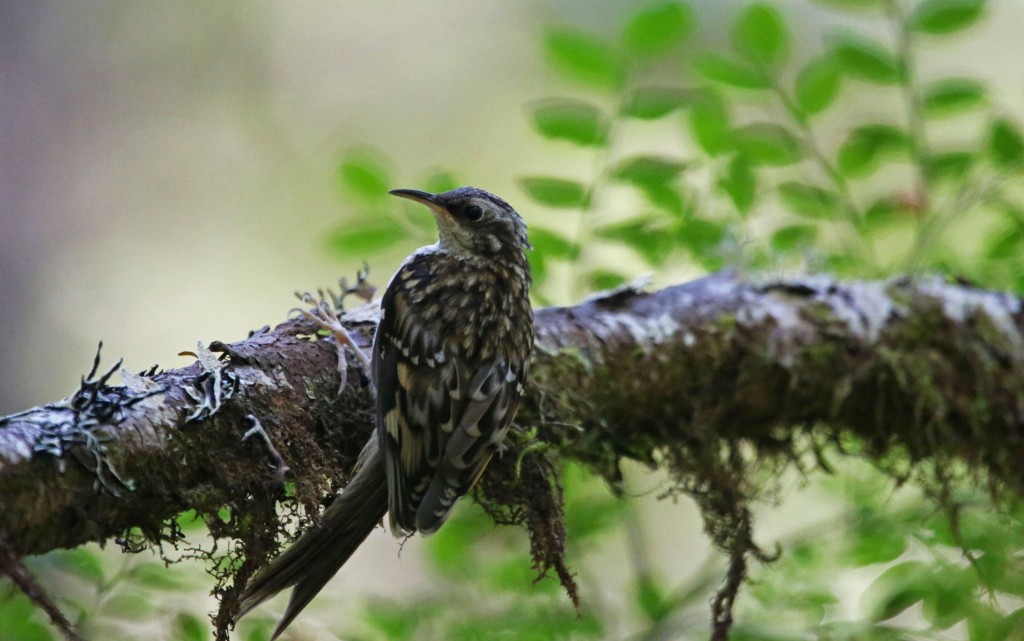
473	221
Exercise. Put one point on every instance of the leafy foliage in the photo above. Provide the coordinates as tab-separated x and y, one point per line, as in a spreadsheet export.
753	157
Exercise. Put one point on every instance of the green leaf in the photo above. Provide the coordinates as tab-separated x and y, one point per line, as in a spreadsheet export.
81	562
650	103
364	175
552	245
897	589
852	5
601	279
665	196
709	122
731	72
581	56
759	34
700	236
129	605
441	181
188	627
362	240
1008	244
952	96
951	166
658	29
809	201
1005	146
768	144
647	170
945	16
865	59
866	146
876	540
648	236
395	624
651	599
555	192
575	121
817	84
885	212
793	238
740	183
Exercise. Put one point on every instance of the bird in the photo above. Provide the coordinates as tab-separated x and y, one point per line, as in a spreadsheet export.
449	363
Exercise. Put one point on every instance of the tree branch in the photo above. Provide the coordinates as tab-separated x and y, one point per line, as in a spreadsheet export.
682	377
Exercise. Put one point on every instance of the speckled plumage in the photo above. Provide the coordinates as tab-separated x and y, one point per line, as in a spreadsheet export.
451	355
449	363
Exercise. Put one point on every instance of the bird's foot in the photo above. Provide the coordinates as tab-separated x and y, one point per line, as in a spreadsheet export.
280	467
324	313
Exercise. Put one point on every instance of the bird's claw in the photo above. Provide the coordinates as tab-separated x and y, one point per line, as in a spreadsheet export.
280	467
323	313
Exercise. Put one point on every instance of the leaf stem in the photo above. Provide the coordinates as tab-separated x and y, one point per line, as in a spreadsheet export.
810	142
919	151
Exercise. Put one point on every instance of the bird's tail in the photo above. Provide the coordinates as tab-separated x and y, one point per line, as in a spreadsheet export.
317	556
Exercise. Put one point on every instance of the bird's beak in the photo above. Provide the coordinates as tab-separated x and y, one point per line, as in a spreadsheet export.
422	197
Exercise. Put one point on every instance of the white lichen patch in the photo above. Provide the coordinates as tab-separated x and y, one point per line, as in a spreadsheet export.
138	384
866	310
783	317
368	313
960	304
646	333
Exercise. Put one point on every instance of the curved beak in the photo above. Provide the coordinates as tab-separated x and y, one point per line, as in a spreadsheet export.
423	197
432	202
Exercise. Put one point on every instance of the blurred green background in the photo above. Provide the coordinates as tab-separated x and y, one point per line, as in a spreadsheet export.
173	172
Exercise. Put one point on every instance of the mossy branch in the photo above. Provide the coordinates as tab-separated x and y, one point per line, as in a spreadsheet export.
720	380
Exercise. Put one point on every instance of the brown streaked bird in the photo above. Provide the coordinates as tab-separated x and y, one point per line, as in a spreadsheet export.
449	362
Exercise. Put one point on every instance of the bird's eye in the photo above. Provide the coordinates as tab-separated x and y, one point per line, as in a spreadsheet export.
473	213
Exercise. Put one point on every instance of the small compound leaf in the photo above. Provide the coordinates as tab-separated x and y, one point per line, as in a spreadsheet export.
1005	145
709	122
575	121
759	34
555	192
364	175
809	201
739	183
732	73
794	238
952	96
581	56
817	84
866	59
365	239
658	29
768	144
867	146
650	103
945	16
647	170
551	244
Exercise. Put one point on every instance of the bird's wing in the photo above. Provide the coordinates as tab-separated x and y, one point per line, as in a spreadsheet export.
439	418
